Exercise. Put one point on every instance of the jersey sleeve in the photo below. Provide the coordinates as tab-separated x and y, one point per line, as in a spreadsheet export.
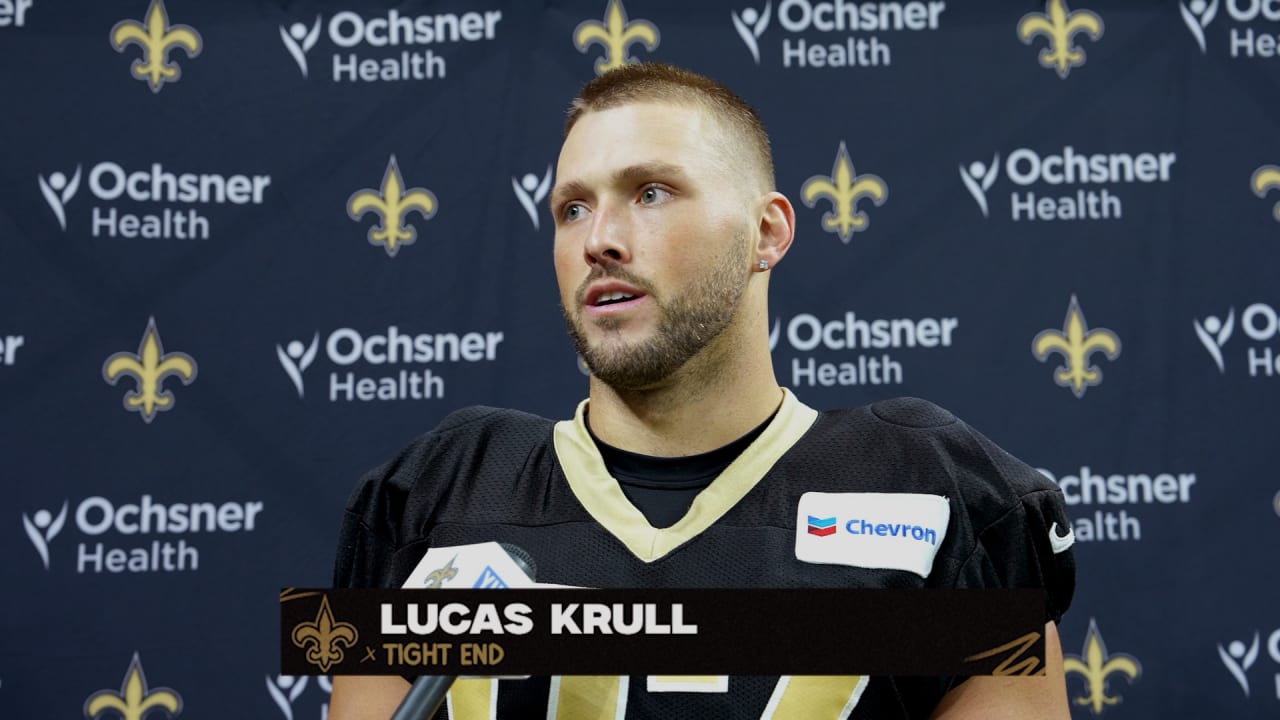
386	519
371	540
1010	527
1028	544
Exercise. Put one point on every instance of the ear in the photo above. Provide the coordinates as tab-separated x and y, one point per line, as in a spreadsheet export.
777	229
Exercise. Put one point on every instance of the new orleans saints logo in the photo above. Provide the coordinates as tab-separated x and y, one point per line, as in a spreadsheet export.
844	189
1264	179
392	203
1059	25
438	577
323	639
156	38
1076	343
149	368
1095	665
615	35
134	700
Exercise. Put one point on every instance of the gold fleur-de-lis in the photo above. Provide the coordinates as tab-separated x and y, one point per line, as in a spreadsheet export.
134	700
437	578
615	35
1266	178
844	189
1059	25
323	639
391	203
1094	665
156	38
1076	342
149	368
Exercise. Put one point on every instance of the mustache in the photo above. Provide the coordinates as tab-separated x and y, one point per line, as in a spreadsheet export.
611	271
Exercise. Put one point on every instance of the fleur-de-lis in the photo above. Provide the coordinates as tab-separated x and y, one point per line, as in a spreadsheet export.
1094	665
844	189
1076	342
156	39
1266	178
437	578
149	367
1059	25
615	35
323	639
391	203
134	700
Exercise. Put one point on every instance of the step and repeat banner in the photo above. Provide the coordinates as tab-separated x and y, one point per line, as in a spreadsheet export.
250	249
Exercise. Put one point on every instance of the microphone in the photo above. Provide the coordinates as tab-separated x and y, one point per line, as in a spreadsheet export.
428	692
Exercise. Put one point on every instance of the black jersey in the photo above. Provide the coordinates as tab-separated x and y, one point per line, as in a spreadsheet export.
959	513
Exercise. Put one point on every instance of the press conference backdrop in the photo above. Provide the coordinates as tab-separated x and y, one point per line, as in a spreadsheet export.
249	250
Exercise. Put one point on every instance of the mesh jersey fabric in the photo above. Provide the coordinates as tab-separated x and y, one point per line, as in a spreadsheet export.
488	474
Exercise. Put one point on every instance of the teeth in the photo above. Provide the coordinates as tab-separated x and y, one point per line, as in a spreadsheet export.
613	297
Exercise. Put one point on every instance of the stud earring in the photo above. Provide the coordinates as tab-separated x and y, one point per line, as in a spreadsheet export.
764	264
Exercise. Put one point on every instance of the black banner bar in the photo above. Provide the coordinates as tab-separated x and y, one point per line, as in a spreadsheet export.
662	631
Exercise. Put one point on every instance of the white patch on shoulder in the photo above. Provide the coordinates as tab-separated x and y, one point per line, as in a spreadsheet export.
885	531
1061	543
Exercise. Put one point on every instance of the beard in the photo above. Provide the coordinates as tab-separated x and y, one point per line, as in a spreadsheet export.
687	323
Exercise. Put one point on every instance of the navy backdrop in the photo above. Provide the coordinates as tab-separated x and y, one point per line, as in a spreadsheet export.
250	249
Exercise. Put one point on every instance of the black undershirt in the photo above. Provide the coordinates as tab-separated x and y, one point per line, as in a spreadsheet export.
663	488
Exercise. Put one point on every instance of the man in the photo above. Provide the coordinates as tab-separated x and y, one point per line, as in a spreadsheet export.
688	466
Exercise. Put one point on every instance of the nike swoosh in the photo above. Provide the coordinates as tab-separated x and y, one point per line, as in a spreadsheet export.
1061	543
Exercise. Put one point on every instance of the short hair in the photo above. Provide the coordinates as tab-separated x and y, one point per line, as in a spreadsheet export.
641	82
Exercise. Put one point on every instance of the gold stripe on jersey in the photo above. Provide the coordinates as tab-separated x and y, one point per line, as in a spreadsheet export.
602	496
474	698
815	696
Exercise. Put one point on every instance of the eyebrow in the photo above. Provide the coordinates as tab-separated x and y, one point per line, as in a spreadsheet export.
630	175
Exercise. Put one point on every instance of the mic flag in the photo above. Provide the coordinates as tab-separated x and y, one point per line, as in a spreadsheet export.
483	565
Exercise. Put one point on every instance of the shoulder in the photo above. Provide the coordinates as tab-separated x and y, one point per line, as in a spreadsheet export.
916	433
393	505
1009	526
432	463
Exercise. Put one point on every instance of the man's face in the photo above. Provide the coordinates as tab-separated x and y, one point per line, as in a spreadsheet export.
651	248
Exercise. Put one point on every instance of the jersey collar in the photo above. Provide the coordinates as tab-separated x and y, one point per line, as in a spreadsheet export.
602	497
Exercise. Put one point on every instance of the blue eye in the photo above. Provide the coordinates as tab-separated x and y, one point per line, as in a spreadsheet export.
653	195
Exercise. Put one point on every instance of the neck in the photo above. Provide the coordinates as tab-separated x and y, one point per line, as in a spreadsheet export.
716	398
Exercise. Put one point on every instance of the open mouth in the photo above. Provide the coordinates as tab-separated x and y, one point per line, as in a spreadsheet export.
613	298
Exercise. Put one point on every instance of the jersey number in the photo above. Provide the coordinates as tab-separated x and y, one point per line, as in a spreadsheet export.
575	696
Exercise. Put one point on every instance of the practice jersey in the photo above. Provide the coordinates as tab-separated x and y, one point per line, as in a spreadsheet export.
486	474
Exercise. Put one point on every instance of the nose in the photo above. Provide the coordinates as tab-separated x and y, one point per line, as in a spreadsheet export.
609	238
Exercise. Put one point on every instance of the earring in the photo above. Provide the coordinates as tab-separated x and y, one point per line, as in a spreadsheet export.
764	264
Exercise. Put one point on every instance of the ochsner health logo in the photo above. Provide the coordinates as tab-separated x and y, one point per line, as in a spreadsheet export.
1239	657
139	200
111	532
1259	323
1214	334
390	47
1197	15
360	360
1245	39
295	358
42	527
1064	184
285	690
58	191
833	34
298	40
750	24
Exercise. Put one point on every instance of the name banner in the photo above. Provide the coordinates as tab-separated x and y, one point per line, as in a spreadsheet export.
662	632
